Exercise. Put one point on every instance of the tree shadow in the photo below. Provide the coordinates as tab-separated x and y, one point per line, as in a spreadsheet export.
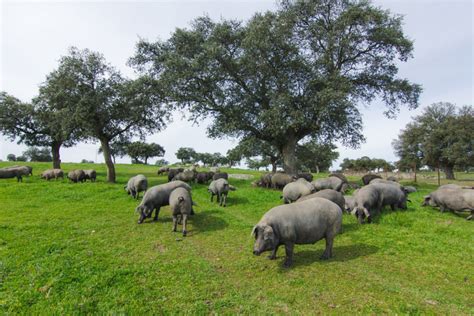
340	254
205	221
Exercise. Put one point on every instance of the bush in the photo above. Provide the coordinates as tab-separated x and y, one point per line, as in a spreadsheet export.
21	158
87	161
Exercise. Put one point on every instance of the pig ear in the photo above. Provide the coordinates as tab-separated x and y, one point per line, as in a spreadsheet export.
267	232
254	231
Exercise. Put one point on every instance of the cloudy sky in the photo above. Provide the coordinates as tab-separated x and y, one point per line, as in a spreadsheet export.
34	34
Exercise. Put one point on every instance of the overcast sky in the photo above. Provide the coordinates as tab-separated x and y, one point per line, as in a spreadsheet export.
34	34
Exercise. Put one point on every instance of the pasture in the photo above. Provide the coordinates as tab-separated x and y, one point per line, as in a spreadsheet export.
76	248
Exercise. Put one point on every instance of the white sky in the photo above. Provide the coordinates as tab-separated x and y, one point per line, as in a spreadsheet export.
34	34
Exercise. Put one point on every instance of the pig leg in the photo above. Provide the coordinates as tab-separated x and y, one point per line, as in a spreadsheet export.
289	255
175	222
224	197
212	196
328	251
274	252
185	221
157	211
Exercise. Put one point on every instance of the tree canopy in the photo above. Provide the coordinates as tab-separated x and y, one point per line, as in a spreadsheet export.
104	104
299	72
140	152
315	157
39	123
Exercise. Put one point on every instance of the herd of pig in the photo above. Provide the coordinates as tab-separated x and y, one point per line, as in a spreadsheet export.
312	210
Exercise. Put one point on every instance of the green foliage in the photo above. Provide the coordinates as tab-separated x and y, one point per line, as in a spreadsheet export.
251	147
186	154
21	158
38	154
81	252
162	162
87	161
11	157
104	104
143	151
315	157
283	76
442	136
366	164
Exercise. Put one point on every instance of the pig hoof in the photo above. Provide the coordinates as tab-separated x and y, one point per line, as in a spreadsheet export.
324	257
272	257
287	264
185	233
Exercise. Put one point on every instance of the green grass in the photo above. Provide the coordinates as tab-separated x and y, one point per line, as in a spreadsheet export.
76	248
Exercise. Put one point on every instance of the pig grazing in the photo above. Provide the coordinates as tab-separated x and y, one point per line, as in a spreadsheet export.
181	206
13	173
279	180
349	203
305	175
186	176
90	174
221	188
173	172
265	180
76	176
369	177
294	190
135	185
28	168
304	222
329	183
163	170
52	173
156	197
220	175
452	199
204	177
373	197
328	194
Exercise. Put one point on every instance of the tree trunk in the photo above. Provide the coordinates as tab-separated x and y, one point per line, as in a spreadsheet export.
108	160
146	160
414	170
113	158
448	171
288	152
56	157
317	169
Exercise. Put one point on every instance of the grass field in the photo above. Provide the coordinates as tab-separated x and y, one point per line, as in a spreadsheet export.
76	248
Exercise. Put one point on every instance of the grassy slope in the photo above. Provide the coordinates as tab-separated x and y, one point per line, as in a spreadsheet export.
77	248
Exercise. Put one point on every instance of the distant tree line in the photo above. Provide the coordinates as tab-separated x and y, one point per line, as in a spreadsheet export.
366	164
32	154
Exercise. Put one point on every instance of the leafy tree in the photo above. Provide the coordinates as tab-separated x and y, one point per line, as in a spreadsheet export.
205	158
11	157
21	158
162	162
250	147
256	164
441	137
299	72
141	150
315	157
87	161
39	123
347	164
233	157
108	106
38	154
186	154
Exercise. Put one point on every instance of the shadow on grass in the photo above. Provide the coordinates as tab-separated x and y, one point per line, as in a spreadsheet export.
205	221
340	254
